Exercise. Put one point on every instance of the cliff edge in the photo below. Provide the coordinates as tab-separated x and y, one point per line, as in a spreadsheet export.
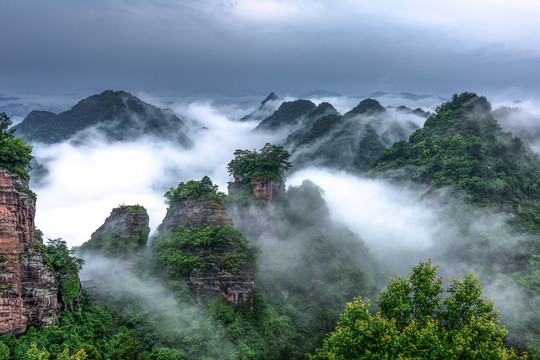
28	290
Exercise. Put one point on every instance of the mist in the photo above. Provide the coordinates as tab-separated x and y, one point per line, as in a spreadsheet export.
142	299
399	223
85	179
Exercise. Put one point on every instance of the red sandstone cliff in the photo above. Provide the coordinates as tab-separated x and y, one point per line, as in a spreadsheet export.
262	188
28	291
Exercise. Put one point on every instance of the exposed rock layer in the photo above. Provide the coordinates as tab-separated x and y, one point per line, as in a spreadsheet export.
222	274
222	271
28	291
262	188
193	213
128	224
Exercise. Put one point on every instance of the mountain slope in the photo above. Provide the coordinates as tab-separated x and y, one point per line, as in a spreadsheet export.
117	114
352	141
463	145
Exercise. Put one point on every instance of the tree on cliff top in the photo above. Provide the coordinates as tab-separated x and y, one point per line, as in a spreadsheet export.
416	321
14	152
194	189
271	162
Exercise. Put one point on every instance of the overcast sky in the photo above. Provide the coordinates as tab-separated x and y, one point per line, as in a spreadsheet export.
352	47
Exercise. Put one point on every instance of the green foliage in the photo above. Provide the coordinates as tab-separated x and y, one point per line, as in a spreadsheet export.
463	146
256	330
79	355
65	266
271	162
161	353
310	269
4	351
136	209
415	322
34	353
90	330
195	189
109	240
181	250
60	257
320	128
14	152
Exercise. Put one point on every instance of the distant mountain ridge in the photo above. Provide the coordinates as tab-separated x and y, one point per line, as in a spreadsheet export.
320	135
117	114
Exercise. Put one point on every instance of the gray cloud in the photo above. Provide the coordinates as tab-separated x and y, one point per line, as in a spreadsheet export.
246	45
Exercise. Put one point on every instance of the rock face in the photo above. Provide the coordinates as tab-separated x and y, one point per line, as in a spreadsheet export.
28	291
125	229
193	213
262	188
266	189
223	272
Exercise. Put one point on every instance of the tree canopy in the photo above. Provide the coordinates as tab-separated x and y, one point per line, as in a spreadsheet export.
419	319
272	162
194	189
14	152
462	145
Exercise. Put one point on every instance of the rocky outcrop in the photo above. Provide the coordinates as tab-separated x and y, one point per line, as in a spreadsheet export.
126	229
222	273
262	188
222	270
193	213
28	290
266	189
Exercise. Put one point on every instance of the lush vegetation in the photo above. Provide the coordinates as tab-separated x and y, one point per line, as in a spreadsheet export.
66	267
15	154
184	248
271	162
419	319
463	146
307	270
308	265
195	189
350	142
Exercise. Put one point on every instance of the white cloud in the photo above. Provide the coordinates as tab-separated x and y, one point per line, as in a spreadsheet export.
86	182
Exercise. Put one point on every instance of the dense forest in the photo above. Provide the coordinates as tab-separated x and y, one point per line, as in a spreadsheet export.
265	271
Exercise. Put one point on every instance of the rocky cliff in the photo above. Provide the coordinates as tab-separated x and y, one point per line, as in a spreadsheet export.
193	213
125	230
203	230
262	188
28	290
223	272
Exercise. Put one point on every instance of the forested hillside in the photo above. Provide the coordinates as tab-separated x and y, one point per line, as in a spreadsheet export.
118	114
268	271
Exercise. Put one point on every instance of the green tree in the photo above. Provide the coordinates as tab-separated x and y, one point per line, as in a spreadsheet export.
419	319
66	267
79	355
272	162
194	189
14	152
33	353
4	351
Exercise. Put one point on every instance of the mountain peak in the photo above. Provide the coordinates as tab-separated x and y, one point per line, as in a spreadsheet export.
366	107
271	97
